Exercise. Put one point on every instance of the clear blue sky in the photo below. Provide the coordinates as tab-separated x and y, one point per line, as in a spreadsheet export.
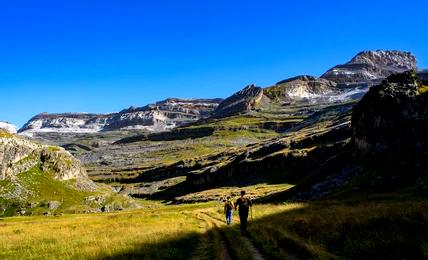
103	56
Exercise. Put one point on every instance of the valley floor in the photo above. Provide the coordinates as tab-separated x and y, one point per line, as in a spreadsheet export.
387	229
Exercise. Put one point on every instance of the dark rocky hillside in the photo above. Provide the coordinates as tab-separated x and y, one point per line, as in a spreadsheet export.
388	148
392	116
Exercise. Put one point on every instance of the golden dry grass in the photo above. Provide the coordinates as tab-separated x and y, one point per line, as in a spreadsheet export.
139	233
220	193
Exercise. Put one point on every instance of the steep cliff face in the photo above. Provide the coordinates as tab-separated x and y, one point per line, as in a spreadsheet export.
392	115
155	117
369	67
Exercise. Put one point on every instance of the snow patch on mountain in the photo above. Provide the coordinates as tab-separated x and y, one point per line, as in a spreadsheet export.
8	127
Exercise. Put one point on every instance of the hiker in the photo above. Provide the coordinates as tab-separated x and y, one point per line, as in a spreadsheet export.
244	205
228	210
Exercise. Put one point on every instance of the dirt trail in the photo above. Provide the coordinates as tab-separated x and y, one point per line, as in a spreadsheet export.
255	253
226	244
225	252
216	239
204	242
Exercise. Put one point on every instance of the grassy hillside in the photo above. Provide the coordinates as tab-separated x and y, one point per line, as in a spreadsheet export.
41	193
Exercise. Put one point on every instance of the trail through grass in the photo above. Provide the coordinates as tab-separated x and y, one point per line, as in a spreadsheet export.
316	230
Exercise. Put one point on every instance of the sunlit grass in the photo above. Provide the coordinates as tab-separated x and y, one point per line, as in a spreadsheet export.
233	190
156	233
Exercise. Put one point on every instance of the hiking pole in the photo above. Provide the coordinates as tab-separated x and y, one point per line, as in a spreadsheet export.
251	208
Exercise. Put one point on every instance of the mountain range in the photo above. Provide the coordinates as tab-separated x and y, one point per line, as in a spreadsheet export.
349	81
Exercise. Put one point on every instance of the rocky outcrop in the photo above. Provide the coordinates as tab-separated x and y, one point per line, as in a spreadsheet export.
242	101
300	87
369	67
8	127
39	179
392	115
19	155
160	116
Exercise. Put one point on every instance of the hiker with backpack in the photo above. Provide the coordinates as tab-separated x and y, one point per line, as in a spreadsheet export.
228	210
244	204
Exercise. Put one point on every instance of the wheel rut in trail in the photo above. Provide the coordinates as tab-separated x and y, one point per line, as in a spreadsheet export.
248	244
204	242
218	238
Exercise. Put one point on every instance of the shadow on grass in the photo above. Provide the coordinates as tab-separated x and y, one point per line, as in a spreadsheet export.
328	230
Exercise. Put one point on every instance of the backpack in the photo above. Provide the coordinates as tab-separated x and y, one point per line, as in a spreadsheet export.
229	205
245	203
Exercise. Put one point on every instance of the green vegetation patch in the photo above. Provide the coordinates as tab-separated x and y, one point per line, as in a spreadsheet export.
53	149
45	188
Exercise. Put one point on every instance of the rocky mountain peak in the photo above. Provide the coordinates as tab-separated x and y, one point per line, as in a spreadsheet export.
399	59
242	101
300	77
249	90
370	67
